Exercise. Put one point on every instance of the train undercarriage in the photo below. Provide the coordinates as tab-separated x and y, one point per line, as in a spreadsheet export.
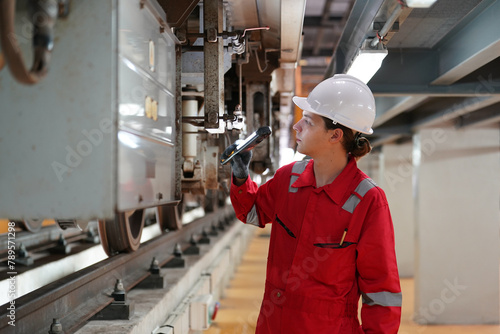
129	105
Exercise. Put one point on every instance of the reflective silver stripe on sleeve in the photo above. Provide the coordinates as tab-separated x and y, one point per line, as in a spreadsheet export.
297	168
383	298
363	187
252	217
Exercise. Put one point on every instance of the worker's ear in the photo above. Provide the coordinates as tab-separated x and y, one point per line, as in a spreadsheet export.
336	135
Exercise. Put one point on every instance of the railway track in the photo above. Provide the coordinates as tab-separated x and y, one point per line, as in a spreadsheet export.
50	239
75	299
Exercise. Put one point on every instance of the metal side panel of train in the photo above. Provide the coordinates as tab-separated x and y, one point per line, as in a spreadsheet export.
96	136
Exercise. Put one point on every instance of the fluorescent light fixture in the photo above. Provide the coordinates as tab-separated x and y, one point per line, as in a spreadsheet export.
420	3
367	61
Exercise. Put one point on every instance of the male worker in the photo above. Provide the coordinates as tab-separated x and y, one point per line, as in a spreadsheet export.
332	238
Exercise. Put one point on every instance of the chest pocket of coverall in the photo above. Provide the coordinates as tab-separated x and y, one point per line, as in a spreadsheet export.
336	264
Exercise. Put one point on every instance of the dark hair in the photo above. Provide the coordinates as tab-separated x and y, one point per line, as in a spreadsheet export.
354	144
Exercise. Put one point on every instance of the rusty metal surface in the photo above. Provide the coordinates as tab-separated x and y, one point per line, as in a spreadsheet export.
178	125
214	62
76	298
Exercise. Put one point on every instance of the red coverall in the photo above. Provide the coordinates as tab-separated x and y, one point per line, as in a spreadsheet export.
313	283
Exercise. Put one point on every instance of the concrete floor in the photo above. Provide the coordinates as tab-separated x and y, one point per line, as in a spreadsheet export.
240	306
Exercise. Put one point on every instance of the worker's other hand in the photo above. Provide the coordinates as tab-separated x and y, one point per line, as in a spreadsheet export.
239	162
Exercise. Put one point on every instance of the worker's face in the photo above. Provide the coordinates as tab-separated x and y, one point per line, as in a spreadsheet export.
312	135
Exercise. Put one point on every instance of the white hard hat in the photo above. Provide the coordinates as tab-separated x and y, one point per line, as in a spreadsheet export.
344	99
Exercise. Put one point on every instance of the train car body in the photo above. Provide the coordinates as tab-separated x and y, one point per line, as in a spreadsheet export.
82	142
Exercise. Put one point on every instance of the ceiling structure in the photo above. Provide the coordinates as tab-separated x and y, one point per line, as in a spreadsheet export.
442	68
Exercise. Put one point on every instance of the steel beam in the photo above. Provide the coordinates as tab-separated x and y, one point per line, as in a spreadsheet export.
356	29
386	139
485	117
178	121
390	107
213	61
394	130
475	45
321	31
466	107
407	67
321	21
467	50
465	89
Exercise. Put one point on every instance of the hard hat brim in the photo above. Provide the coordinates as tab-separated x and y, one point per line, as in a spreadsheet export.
302	103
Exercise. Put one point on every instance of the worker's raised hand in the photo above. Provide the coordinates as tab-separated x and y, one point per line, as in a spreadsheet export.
239	162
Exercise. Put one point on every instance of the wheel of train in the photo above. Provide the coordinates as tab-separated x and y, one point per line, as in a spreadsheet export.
31	225
169	217
123	234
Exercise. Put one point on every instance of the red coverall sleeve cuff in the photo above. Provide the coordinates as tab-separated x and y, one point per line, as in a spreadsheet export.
243	198
381	319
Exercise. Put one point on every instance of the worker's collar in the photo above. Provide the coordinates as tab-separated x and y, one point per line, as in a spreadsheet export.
334	190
